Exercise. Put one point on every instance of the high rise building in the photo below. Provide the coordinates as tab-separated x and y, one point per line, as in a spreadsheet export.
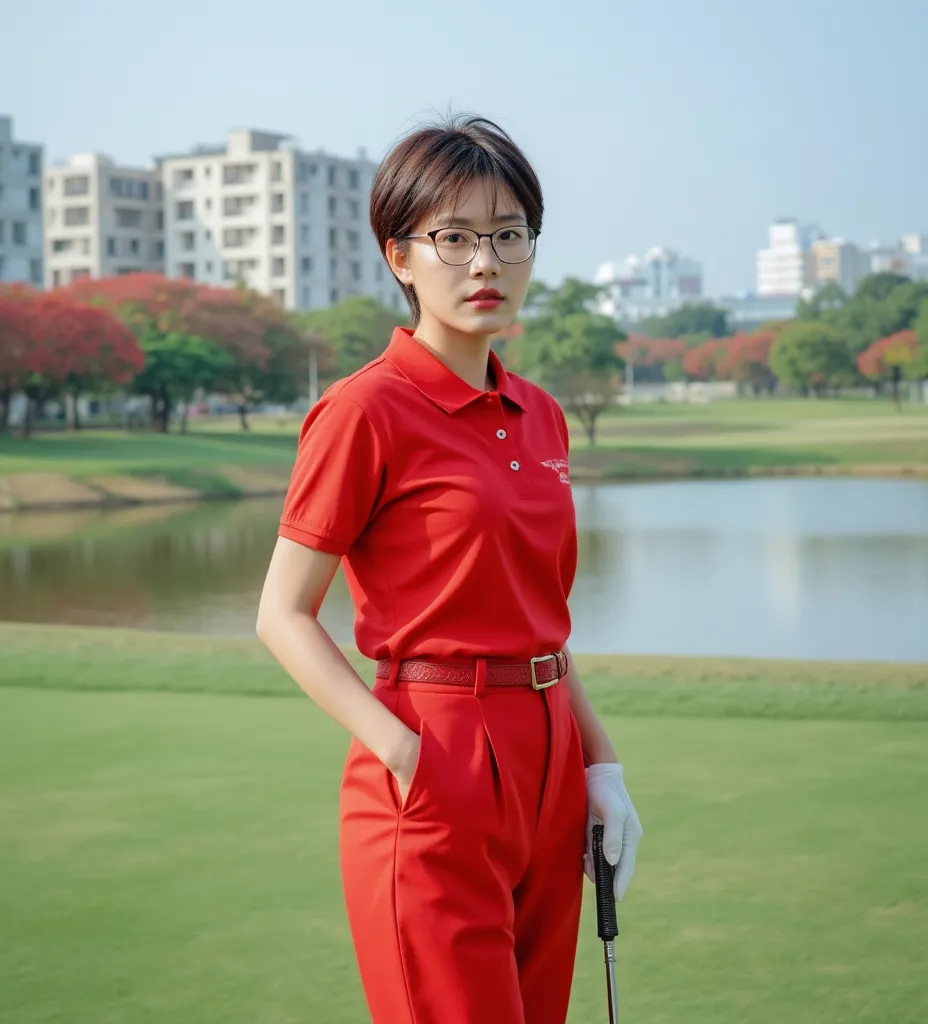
838	260
287	222
20	207
101	219
787	266
651	285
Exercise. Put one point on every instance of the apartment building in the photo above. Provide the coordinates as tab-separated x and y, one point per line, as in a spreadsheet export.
787	266
286	222
20	207
651	285
101	219
838	260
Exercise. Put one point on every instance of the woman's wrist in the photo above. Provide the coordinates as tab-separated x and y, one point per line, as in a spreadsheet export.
600	751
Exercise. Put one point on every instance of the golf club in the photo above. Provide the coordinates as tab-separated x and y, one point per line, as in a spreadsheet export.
607	923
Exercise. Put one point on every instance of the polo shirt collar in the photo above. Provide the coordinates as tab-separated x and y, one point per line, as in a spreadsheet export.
440	384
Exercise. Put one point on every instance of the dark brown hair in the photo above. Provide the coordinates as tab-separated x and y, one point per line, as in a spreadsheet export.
434	166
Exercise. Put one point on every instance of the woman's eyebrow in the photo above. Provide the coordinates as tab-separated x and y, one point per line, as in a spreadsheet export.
465	222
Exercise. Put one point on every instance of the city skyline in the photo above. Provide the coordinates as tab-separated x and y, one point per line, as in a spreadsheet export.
692	125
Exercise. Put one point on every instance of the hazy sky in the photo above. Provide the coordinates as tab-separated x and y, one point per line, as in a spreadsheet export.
690	123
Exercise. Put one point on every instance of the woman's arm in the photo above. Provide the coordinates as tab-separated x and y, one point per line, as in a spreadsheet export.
597	747
296	583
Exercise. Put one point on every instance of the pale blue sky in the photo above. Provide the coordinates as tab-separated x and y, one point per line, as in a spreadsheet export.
690	123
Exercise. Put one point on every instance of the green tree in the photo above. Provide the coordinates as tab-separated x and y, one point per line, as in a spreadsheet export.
571	351
810	355
357	330
695	318
829	296
571	296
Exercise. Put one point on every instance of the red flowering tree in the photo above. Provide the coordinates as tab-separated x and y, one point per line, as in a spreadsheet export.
703	361
746	359
892	357
15	328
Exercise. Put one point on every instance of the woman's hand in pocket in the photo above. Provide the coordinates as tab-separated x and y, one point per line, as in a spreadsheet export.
406	766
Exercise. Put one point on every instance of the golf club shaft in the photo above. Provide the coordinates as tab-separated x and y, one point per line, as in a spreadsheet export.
611	993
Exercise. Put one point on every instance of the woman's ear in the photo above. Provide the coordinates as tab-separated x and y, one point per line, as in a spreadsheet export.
398	259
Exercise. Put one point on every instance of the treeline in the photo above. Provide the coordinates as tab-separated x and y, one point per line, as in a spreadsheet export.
877	336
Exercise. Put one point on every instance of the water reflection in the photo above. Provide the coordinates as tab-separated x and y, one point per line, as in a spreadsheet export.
801	568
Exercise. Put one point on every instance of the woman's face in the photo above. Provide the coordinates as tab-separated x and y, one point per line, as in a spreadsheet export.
451	294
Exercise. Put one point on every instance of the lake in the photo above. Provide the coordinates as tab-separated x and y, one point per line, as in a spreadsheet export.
801	568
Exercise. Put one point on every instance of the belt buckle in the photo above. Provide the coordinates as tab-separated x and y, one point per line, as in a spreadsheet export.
533	662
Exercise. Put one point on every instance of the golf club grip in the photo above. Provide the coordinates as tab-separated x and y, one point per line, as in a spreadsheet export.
606	922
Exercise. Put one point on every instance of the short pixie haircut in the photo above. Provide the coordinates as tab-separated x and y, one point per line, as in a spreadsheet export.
433	167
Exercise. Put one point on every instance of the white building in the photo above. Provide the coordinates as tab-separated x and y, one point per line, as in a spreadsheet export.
787	267
20	207
652	285
101	220
290	223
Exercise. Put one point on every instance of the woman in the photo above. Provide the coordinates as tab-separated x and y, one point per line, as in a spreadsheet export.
477	763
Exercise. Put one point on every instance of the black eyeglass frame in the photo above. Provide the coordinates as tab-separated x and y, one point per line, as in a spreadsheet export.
431	235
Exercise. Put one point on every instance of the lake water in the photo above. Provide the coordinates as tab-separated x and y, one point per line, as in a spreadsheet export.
806	568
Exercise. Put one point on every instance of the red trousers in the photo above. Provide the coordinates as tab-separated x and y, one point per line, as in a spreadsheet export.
464	903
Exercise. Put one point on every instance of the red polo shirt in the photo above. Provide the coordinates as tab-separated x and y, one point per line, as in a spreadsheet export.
452	507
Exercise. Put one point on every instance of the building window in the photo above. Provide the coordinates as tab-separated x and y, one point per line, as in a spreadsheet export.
159	191
56	277
333	206
277	202
209	267
83	246
354	209
354	240
131	218
280	296
238	206
58	245
311	170
355	270
35	201
157	250
183	176
19	232
128	188
35	271
278	234
304	203
2	264
306	265
333	295
333	237
333	268
278	266
304	234
237	174
208	204
188	270
77	186
35	164
277	171
76	216
354	180
333	175
134	246
159	220
111	247
236	238
184	210
207	171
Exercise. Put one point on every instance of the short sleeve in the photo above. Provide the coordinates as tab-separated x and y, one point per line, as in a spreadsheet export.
337	477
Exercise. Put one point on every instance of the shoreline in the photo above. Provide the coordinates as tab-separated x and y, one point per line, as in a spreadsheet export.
58	492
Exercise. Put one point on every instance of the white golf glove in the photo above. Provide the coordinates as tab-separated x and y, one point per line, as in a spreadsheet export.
609	805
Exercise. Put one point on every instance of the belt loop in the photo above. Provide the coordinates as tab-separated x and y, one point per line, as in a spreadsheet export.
394	673
480	677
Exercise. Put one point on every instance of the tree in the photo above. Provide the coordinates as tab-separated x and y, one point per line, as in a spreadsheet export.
691	318
571	296
572	353
746	359
829	296
893	357
702	362
15	331
356	331
811	355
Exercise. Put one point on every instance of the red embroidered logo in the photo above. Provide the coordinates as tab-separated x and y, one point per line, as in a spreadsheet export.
561	467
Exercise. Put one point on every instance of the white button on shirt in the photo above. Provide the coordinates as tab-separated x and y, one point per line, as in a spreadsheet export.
514	466
501	434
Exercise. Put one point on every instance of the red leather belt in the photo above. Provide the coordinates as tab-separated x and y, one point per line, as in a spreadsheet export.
539	673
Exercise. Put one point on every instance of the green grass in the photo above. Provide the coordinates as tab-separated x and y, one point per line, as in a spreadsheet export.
168	843
743	437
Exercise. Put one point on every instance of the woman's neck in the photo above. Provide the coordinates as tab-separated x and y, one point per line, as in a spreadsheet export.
466	355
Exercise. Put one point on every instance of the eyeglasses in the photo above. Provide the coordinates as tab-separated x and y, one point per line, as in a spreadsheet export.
458	246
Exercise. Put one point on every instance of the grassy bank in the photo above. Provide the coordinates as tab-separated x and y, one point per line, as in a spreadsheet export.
168	811
738	438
